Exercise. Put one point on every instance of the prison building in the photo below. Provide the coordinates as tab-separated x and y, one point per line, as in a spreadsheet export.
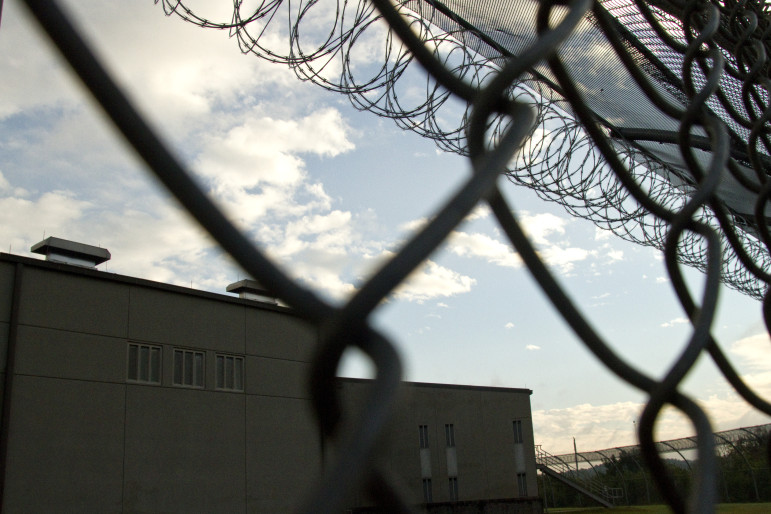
457	443
127	395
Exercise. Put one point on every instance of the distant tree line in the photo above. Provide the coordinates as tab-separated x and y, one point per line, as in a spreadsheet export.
744	477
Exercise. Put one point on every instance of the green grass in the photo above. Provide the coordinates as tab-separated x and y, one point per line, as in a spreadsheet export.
726	508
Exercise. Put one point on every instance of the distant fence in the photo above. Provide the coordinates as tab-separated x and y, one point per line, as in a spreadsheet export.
619	474
700	67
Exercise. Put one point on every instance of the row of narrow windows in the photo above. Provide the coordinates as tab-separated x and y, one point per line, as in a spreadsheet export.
449	434
188	370
428	493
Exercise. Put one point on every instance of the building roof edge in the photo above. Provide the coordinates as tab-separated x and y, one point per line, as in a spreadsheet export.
143	282
447	386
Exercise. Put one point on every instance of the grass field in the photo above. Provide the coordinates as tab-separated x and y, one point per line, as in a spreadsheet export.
725	508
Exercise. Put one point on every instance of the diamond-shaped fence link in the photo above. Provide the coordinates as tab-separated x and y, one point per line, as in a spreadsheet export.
685	169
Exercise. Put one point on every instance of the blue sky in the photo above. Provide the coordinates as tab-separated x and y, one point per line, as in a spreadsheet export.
330	192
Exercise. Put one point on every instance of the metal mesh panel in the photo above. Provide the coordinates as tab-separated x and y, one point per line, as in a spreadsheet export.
673	445
697	189
615	470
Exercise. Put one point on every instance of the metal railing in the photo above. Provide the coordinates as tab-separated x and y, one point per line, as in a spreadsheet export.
572	473
722	90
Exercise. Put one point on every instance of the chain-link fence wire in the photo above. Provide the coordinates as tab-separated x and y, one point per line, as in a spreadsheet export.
504	100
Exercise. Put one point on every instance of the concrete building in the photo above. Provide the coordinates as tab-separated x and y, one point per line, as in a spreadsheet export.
455	443
126	395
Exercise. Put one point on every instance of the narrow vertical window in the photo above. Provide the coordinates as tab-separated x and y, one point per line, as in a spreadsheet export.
238	377
187	378
220	372
522	483
229	371
188	368
133	361
427	492
198	366
155	365
423	429
229	379
144	363
518	431
449	433
178	366
453	489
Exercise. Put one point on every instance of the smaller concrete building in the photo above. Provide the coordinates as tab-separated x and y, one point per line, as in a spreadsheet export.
454	443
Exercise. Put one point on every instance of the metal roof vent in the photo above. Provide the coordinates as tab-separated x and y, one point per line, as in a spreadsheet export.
251	290
70	252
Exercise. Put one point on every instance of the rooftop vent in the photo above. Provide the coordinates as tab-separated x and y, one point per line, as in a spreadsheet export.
251	290
70	252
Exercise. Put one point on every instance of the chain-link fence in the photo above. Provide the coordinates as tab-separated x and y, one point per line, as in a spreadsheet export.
684	170
618	476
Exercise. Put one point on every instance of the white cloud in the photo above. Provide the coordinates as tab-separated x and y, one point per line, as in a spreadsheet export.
532	347
414	225
539	227
611	253
160	244
673	322
483	246
256	168
23	222
31	72
175	70
598	427
563	258
322	132
192	71
431	281
481	211
595	427
601	234
662	280
326	279
4	184
509	325
331	232
754	356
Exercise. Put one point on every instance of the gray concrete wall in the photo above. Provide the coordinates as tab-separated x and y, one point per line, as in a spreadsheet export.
7	272
482	420
82	439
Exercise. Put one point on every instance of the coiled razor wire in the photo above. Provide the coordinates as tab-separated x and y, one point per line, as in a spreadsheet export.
718	102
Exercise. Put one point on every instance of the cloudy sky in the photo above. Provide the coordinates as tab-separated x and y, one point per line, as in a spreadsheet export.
330	193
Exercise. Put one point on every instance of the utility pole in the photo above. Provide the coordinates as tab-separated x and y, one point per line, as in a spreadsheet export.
575	453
